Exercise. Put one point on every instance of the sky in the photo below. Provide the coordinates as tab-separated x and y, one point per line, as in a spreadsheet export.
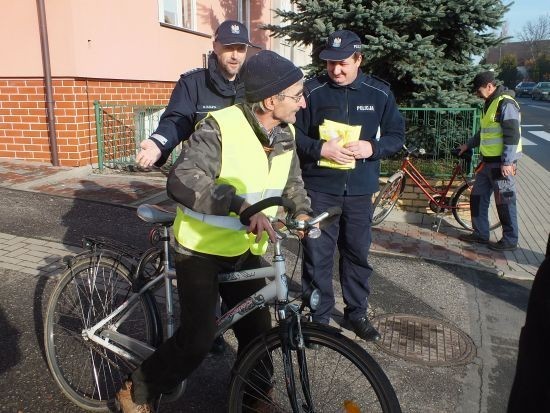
523	11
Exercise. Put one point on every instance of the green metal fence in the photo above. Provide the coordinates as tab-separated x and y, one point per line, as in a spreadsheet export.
438	131
120	129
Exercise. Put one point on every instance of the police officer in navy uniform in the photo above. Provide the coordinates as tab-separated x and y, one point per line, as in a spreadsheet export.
348	96
198	92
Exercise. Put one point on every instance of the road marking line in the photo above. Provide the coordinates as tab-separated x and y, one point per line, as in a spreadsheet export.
527	142
541	134
540	107
531	126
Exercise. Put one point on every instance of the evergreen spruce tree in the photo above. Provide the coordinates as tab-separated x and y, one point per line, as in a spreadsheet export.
423	48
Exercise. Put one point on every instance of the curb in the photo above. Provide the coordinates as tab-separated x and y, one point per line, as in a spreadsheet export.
78	172
490	270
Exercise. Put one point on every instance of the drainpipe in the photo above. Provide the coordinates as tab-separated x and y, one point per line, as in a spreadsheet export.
47	80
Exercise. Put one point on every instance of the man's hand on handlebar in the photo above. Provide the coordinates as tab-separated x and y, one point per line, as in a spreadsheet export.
301	225
303	217
462	148
259	223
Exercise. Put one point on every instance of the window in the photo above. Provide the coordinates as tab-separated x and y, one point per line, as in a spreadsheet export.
180	13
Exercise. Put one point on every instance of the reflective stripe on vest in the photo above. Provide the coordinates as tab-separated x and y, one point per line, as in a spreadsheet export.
244	166
491	141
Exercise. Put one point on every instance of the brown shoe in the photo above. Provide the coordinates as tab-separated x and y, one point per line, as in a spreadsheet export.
125	402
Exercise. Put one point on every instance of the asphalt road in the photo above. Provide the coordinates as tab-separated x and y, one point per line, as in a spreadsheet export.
535	117
36	215
489	309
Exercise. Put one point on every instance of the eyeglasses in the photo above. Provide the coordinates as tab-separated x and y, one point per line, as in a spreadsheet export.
296	98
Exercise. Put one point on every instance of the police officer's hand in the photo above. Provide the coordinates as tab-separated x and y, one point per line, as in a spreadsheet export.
360	149
333	151
149	154
462	148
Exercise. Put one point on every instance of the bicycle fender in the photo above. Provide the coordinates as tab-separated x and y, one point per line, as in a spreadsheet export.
397	175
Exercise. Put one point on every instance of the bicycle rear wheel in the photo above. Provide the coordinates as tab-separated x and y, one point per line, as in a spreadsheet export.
461	208
387	198
339	372
92	288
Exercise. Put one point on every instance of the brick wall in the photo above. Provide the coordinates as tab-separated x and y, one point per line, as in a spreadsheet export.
23	123
414	200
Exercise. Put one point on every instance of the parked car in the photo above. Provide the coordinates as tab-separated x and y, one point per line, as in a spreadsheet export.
524	88
541	91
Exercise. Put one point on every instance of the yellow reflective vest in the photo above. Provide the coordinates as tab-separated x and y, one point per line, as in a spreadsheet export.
491	142
245	166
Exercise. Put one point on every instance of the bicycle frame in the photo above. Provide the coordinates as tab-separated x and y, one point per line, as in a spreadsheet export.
136	351
420	181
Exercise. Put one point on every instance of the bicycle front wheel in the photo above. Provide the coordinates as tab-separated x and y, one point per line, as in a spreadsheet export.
334	374
387	198
91	289
461	208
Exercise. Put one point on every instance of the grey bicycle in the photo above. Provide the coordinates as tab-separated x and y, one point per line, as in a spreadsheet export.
103	319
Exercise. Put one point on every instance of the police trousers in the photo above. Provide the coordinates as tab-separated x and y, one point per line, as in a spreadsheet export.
352	235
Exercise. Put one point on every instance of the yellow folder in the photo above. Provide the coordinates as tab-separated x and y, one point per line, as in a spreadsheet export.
334	130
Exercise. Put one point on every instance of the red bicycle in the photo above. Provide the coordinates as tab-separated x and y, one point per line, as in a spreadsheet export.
440	200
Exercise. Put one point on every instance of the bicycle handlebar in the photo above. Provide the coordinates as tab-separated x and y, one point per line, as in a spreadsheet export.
324	219
467	155
266	203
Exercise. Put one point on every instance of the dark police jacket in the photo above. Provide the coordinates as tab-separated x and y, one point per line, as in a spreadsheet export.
368	102
197	92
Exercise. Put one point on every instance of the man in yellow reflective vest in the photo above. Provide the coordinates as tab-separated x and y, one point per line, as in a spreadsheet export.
236	157
499	141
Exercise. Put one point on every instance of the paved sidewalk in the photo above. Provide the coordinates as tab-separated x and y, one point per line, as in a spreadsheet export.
402	234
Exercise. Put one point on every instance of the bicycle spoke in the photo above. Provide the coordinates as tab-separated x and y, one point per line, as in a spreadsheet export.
333	378
87	372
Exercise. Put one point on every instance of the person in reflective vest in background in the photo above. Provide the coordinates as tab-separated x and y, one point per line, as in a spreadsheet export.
499	142
236	157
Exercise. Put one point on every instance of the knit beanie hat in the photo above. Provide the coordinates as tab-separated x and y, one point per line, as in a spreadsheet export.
266	74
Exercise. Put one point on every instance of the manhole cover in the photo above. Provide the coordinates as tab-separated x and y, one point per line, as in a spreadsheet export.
423	340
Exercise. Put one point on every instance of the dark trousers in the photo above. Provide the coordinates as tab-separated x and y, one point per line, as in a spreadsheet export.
198	288
352	235
531	389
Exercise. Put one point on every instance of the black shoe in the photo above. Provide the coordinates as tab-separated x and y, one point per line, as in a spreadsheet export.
364	329
218	346
472	237
502	246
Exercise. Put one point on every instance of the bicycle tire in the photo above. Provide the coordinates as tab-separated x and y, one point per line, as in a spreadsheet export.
387	198
339	371
461	208
87	373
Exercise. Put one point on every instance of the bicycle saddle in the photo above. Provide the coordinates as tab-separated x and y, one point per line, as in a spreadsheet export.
155	214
